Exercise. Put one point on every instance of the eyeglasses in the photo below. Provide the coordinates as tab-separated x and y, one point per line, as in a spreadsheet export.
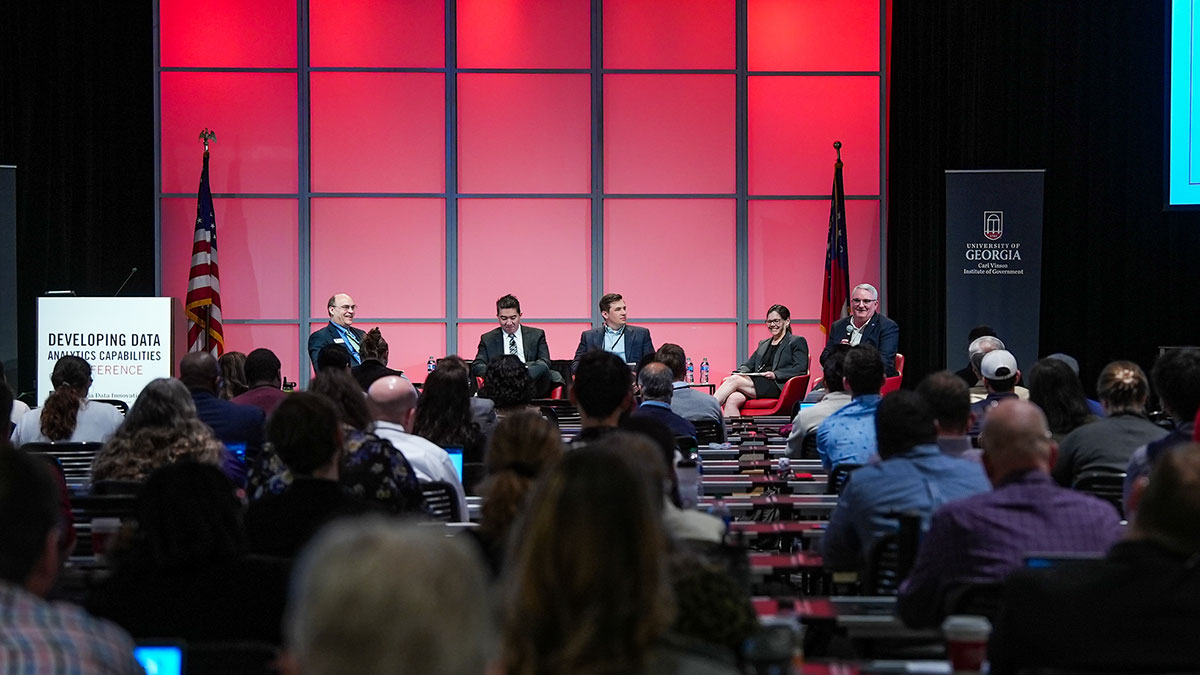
774	322
861	302
346	308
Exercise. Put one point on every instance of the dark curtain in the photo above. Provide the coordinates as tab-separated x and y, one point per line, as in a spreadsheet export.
1074	87
77	119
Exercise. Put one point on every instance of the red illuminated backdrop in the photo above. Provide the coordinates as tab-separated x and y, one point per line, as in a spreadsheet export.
640	153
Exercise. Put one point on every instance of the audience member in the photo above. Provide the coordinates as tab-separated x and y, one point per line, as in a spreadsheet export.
304	431
68	415
333	357
339	331
233	381
1176	376
603	393
1055	388
508	386
847	436
914	477
687	402
264	375
588	589
185	572
1134	611
239	427
979	349
444	412
655	383
1000	375
1093	407
374	350
946	394
1108	443
519	452
835	398
373	597
38	636
630	343
981	539
393	401
161	428
483	411
865	325
526	343
967	373
371	469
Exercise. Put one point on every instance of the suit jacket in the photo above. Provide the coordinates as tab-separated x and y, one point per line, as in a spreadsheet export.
880	331
495	343
678	425
791	358
637	343
327	336
232	424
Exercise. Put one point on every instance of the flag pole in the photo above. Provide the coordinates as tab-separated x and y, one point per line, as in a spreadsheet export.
837	145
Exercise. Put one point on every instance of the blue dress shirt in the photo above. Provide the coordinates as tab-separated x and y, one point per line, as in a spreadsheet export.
614	341
848	435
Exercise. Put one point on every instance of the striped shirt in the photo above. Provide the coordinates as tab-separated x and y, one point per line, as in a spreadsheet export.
39	637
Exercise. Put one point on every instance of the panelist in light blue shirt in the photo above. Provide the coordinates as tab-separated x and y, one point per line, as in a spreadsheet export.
629	343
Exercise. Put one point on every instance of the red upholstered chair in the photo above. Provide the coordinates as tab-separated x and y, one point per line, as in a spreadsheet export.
793	392
893	383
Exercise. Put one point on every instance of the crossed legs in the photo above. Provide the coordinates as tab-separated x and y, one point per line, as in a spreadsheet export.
733	392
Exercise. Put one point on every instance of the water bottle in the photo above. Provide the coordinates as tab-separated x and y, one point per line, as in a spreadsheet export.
691	372
430	365
704	371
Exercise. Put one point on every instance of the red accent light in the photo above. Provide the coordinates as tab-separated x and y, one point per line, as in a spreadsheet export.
227	34
813	35
524	33
669	34
377	33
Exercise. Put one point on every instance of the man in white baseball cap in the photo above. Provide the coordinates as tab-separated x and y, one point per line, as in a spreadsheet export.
1000	377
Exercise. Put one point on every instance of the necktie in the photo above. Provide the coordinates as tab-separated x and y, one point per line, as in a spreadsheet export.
352	342
512	344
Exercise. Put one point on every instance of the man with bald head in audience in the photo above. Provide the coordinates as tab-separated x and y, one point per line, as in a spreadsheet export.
239	427
393	403
981	539
655	380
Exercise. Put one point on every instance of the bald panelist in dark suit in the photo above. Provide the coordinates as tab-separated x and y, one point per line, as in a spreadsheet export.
340	330
630	343
777	359
525	342
866	324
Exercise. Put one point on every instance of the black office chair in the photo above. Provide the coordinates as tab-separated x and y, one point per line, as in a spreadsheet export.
86	508
708	431
1106	484
838	477
74	458
441	501
686	445
892	556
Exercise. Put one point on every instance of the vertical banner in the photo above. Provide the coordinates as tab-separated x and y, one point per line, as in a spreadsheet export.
994	259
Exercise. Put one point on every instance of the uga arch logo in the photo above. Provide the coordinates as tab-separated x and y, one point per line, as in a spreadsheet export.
993	225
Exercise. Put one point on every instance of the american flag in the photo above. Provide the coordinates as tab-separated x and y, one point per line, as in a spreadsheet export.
203	303
837	268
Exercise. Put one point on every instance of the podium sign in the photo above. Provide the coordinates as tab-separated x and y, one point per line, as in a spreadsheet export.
127	341
994	259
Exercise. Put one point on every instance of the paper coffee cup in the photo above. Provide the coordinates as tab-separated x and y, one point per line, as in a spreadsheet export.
103	531
966	642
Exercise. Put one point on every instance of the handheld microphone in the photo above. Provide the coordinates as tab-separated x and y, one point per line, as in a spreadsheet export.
120	288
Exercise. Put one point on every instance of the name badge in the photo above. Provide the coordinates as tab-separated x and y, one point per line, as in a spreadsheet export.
339	341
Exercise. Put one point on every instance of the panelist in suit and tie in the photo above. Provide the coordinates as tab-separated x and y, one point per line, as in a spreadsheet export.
339	331
630	343
866	324
525	342
776	360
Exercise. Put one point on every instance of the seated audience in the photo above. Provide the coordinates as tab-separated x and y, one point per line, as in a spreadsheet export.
392	401
374	350
508	386
483	411
1137	610
333	356
1108	443
603	393
68	415
981	539
1000	376
161	428
688	402
777	359
371	469
444	412
304	431
1055	388
1093	407
967	373
185	572
522	447
239	427
834	399
374	597
233	375
263	372
37	636
1176	376
587	588
914	476
847	436
946	394
655	382
979	349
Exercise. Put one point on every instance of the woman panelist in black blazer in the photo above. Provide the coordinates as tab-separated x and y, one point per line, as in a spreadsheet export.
778	358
